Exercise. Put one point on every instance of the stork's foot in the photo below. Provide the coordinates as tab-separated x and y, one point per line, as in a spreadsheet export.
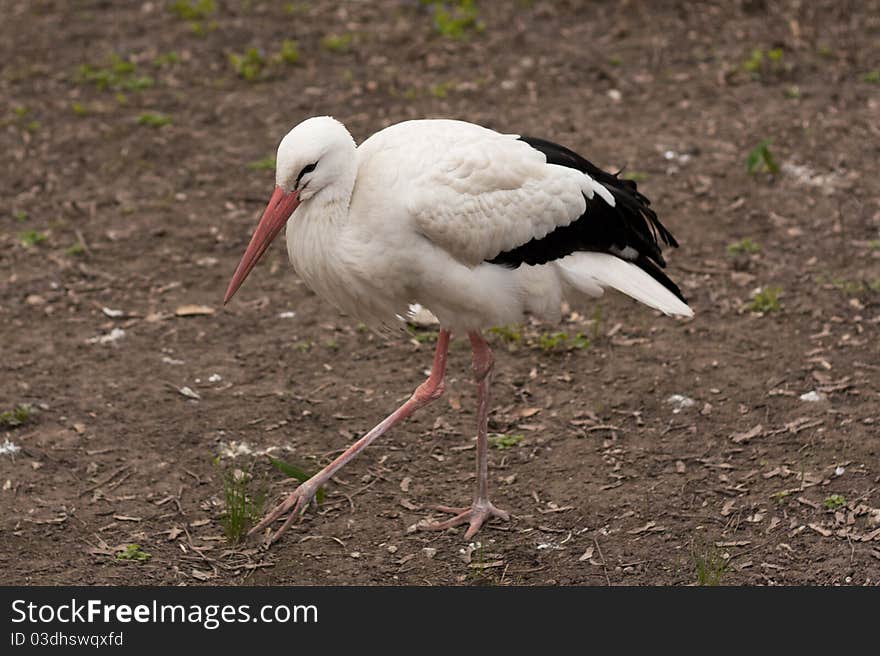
295	504
473	515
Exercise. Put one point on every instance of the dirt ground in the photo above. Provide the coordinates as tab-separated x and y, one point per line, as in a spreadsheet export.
113	223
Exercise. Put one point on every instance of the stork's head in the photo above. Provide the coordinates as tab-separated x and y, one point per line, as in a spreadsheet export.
315	162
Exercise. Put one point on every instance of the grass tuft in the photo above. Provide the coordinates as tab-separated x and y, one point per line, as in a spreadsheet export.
31	238
710	565
248	65
760	159
766	300
337	42
835	501
243	509
502	441
154	119
18	416
743	247
133	552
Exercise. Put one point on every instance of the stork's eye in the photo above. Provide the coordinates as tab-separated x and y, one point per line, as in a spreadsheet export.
306	169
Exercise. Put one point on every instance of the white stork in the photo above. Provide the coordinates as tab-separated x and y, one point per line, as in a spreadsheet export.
479	227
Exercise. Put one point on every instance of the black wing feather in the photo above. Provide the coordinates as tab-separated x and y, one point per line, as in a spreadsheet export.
631	223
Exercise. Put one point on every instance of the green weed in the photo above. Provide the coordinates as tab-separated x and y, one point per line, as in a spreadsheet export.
265	164
456	20
710	565
834	502
760	159
18	416
133	552
20	216
76	249
872	77
743	246
117	74
193	10
31	238
154	119
510	334
767	300
166	60
289	53
249	65
242	509
337	42
635	176
502	441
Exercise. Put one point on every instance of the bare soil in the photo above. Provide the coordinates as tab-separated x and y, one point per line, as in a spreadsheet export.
613	482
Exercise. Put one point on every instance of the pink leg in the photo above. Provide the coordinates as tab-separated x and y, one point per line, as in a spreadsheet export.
299	499
481	509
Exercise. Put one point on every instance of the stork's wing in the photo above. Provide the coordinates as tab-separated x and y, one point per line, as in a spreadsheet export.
485	196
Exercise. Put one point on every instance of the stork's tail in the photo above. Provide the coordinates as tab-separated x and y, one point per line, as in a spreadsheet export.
591	273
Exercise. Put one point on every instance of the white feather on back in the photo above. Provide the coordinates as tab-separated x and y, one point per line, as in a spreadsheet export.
472	191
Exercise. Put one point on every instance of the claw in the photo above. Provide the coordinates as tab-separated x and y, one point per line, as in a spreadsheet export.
296	504
474	515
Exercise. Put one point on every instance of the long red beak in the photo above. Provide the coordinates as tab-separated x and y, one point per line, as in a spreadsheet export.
281	206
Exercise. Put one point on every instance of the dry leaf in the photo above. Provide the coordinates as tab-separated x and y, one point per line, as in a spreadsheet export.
193	310
587	554
756	431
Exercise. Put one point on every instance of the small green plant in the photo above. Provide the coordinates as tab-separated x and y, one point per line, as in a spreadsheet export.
743	247
835	501
117	74
635	176
441	89
133	552
615	61
423	336
31	238
456	20
289	53
304	346
79	109
76	249
292	471
761	159
710	565
872	77
337	42
154	119
265	164
242	509
766	300
249	65
553	341
793	92
166	60
294	8
754	62
18	416
510	334
193	10
502	441
20	216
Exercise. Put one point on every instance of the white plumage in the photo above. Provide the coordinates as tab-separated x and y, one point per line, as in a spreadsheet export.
430	201
479	227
